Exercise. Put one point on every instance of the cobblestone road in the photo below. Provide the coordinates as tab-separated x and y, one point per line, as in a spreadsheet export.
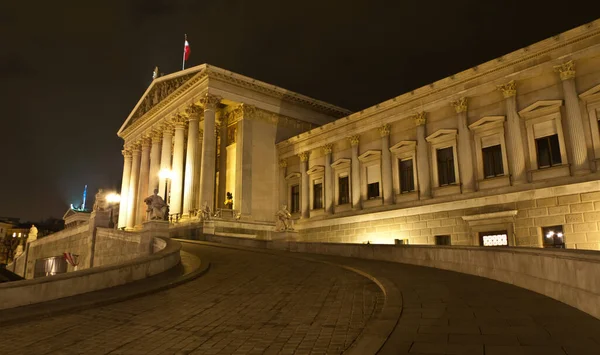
248	303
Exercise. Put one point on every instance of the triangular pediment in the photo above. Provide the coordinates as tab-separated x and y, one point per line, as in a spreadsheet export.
541	107
161	90
591	95
293	176
487	122
403	146
370	155
341	163
316	169
441	134
69	213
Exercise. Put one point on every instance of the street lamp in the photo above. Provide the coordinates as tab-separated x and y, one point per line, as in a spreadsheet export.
112	198
165	174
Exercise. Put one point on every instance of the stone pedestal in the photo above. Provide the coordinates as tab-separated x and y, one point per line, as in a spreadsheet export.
288	236
208	227
156	228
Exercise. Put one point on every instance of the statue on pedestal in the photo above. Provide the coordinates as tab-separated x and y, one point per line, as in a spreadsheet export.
229	200
100	204
158	209
33	233
284	220
205	212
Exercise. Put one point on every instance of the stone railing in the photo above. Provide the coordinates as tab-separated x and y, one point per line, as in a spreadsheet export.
569	276
21	293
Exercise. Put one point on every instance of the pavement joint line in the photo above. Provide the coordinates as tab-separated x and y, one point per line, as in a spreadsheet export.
57	307
378	330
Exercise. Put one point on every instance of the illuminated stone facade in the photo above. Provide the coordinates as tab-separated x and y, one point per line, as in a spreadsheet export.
507	148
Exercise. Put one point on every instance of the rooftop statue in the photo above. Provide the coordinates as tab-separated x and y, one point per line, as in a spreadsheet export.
158	210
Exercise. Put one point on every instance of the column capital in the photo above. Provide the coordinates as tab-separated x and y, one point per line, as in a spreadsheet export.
136	147
283	163
179	120
327	148
126	153
304	156
384	130
508	90
194	112
460	105
354	140
156	136
146	141
209	101
420	118
166	128
566	70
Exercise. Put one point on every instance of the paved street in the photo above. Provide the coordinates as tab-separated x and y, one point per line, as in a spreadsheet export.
266	302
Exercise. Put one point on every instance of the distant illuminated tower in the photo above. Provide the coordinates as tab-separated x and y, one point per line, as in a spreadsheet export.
84	197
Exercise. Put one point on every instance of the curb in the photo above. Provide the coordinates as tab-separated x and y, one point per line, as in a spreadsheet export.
378	330
56	307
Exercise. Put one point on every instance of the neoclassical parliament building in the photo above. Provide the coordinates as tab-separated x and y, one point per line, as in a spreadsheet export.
506	153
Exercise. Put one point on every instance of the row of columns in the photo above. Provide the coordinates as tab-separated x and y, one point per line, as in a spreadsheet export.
144	159
515	149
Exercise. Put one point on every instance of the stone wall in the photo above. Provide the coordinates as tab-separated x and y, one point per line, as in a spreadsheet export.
76	240
21	293
115	246
576	207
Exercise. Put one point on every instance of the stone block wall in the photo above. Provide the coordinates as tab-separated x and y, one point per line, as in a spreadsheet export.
575	207
115	246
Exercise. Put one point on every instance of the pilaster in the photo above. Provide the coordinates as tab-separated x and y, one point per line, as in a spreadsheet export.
423	170
386	165
579	161
355	172
327	149
514	140
465	153
305	200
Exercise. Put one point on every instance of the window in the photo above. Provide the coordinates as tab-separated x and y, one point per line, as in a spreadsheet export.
548	151
553	237
493	239
295	207
407	181
317	196
442	240
373	190
344	190
492	161
445	160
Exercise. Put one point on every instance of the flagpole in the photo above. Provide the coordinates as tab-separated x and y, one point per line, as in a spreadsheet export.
183	61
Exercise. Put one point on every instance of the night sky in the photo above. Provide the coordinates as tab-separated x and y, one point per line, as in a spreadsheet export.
71	71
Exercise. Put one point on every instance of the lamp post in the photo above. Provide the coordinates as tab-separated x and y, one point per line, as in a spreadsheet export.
165	174
112	198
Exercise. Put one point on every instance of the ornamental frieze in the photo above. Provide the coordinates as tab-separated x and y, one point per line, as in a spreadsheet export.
159	92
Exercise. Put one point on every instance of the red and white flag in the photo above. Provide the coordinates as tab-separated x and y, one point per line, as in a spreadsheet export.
71	258
186	49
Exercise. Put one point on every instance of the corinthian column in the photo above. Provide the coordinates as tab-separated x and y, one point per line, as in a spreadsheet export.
124	188
305	200
154	162
282	183
143	182
356	198
177	171
386	165
579	163
165	159
327	149
514	140
207	174
423	173
133	186
465	155
190	162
